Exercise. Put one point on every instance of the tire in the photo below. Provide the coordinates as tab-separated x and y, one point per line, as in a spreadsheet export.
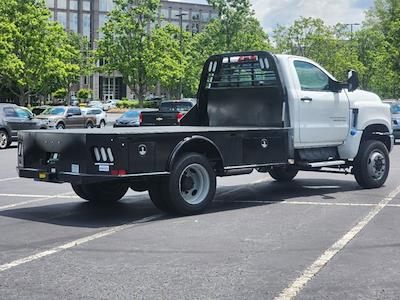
60	126
89	125
80	191
139	185
5	140
102	124
190	187
372	164
102	193
283	174
159	195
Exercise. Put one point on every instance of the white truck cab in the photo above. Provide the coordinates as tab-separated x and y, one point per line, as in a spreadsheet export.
331	122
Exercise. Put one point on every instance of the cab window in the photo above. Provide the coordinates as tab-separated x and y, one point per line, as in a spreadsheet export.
74	111
23	113
9	112
311	77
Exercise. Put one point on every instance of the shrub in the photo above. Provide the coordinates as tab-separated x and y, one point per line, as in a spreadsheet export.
84	94
60	93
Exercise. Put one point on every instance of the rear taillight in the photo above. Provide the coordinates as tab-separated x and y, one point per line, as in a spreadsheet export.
179	117
140	119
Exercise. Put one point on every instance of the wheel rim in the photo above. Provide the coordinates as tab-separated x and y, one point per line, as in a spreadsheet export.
376	165
102	124
89	125
194	184
60	126
3	140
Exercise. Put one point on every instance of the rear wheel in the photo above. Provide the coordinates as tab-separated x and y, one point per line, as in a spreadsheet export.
190	187
371	166
283	174
89	125
5	140
104	192
60	126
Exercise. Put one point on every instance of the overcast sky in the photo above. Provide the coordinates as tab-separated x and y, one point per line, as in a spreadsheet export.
272	12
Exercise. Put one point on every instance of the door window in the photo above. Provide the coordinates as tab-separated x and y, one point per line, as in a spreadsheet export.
9	112
23	113
311	77
74	111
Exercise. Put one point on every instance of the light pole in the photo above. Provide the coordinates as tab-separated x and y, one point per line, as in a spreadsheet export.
180	16
352	25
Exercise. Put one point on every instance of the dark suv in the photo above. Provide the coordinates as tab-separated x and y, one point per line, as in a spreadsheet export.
14	118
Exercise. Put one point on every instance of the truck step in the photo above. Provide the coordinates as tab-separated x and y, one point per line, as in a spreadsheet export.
326	163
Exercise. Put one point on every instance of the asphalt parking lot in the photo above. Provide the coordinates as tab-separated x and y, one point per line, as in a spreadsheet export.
320	237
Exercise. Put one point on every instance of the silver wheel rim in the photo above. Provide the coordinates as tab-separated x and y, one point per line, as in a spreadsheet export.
3	140
60	127
194	184
102	125
376	165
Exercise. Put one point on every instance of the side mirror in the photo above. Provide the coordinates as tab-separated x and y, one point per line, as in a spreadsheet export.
69	115
352	81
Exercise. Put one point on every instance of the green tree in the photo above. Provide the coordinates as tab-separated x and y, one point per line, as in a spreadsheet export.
331	46
60	93
37	56
380	47
125	40
84	94
166	63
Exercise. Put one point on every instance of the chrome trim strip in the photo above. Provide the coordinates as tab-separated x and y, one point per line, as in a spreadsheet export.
254	166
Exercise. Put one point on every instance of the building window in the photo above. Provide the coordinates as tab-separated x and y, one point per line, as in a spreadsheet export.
50	3
195	16
102	20
86	26
213	16
73	22
62	4
174	13
106	5
164	13
62	18
73	4
205	16
86	5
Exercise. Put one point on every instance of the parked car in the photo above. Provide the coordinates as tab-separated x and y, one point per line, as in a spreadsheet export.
395	111
62	117
95	104
99	113
109	104
132	118
14	118
169	114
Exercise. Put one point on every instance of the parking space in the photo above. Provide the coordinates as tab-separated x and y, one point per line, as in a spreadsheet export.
256	239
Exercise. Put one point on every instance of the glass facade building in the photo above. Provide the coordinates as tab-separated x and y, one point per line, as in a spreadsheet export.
87	16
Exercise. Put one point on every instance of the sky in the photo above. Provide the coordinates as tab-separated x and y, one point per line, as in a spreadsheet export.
273	12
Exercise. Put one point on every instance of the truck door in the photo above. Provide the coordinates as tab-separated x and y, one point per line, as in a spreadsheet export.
74	118
323	114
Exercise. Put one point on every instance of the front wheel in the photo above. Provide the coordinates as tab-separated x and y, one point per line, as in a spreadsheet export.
372	164
104	192
102	124
5	140
60	126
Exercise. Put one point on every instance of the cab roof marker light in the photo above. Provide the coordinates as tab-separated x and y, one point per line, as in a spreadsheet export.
97	153
110	154
103	154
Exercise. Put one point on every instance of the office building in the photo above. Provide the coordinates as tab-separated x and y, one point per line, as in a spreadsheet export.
87	16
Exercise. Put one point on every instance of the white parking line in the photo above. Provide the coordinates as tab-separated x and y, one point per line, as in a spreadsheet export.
4	207
40	196
75	243
313	203
294	288
8	179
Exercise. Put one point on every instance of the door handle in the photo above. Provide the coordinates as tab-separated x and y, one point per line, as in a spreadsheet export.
306	99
